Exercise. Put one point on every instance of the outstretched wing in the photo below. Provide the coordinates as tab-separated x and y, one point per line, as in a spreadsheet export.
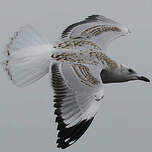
77	93
96	28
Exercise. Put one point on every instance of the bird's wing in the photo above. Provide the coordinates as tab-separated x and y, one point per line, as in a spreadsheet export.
78	90
95	28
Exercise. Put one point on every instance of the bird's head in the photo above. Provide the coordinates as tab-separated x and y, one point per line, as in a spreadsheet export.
129	74
121	74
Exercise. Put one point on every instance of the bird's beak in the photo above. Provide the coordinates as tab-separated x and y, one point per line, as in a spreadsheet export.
143	78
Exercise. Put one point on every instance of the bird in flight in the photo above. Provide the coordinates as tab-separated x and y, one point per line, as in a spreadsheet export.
78	67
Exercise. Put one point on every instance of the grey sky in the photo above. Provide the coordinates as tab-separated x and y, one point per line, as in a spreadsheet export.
124	122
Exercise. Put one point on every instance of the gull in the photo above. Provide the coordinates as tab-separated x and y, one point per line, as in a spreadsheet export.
78	67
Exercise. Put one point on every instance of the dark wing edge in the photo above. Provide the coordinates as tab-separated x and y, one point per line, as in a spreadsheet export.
66	135
92	18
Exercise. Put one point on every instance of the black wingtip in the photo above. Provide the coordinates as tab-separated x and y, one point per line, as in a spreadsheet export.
68	136
94	16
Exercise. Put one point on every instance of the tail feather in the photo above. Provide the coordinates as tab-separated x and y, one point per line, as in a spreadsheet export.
26	57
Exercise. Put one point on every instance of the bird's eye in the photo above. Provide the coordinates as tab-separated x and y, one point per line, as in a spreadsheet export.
130	70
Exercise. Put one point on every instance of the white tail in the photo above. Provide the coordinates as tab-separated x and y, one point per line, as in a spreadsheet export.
26	58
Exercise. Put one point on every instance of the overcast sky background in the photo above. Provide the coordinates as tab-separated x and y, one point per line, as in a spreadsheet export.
124	122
